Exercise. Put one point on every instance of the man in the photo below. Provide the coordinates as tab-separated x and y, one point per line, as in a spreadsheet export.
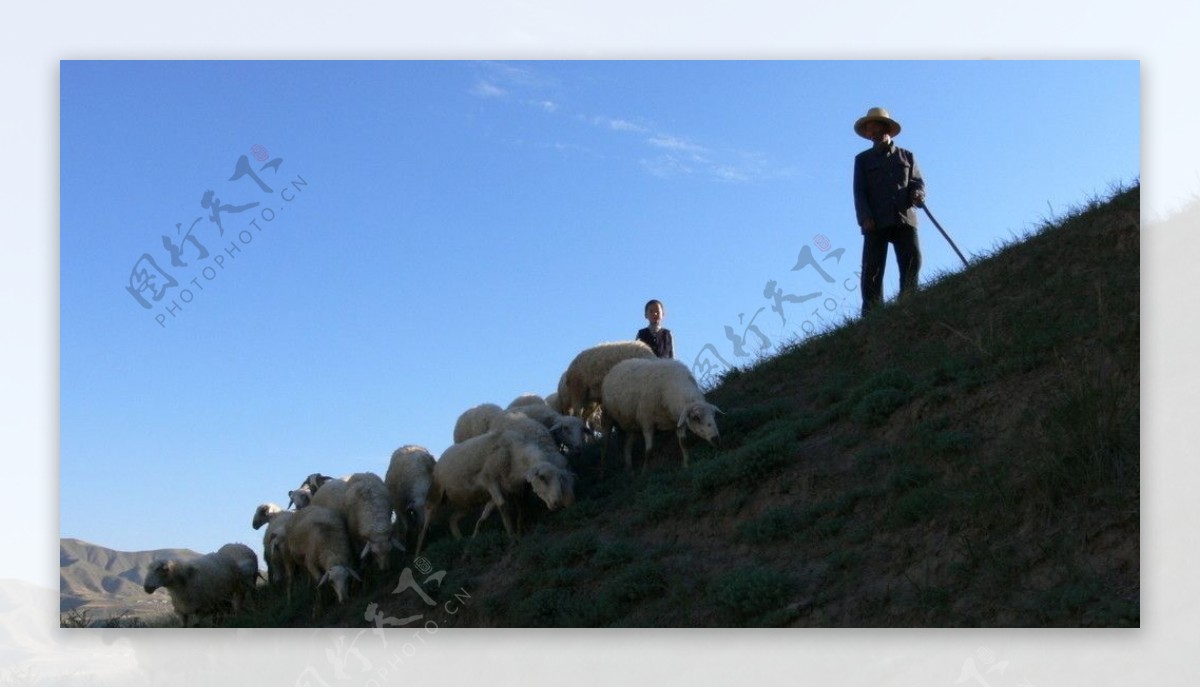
887	187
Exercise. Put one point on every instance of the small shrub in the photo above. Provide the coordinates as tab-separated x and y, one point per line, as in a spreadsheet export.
614	553
777	523
544	607
876	407
842	559
660	496
908	476
918	505
750	593
762	455
565	550
952	442
626	587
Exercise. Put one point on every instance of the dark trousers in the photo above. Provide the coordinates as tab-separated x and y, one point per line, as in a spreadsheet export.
875	250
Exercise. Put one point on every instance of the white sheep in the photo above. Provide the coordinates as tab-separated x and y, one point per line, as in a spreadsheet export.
362	501
568	431
527	399
367	509
317	541
246	562
585	374
474	421
276	520
492	469
331	495
408	479
656	394
204	585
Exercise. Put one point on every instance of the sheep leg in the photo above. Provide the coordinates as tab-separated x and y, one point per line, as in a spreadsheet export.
487	511
502	506
628	451
681	433
425	527
454	519
648	434
289	570
508	526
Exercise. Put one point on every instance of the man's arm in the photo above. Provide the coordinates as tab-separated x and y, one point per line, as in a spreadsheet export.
916	185
862	209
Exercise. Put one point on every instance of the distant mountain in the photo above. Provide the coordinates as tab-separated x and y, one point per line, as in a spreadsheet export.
104	582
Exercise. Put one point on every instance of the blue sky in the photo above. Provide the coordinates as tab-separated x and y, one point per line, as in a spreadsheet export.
442	234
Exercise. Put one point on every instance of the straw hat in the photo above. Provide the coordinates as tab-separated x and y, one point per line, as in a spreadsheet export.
877	114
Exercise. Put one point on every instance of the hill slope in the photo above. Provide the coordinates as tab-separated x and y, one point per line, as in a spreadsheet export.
966	457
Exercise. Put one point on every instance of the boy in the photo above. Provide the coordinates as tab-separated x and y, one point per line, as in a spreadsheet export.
657	337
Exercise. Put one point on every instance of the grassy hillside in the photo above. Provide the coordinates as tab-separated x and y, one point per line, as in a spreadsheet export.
966	457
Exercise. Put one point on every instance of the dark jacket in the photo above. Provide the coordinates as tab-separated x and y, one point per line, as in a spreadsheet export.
661	343
885	178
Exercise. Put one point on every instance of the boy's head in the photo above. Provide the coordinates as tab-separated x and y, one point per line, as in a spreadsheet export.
655	311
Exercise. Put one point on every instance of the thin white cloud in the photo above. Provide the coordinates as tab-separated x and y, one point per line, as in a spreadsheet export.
625	125
667	166
676	144
486	89
730	174
664	155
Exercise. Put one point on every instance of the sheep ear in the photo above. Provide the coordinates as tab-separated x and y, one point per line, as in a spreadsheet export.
324	577
714	408
399	545
366	550
354	575
682	419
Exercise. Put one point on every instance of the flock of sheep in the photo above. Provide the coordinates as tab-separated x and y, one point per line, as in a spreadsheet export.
339	524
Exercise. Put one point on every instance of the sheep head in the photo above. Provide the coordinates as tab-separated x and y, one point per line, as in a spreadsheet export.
380	548
569	431
300	498
339	577
553	485
314	482
163	573
701	418
262	515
